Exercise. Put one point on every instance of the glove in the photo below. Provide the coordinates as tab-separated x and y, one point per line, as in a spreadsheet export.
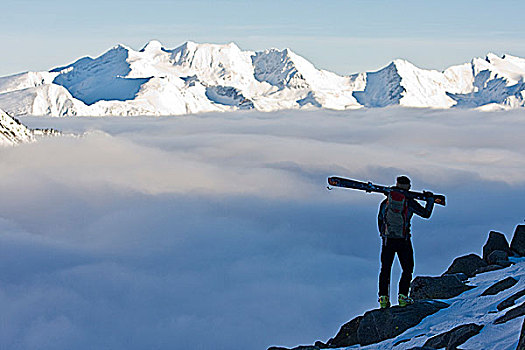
428	194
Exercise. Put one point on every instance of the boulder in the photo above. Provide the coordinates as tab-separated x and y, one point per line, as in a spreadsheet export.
510	300
517	245
498	257
511	314
505	263
462	277
500	286
347	335
381	324
455	337
321	345
496	241
444	287
467	264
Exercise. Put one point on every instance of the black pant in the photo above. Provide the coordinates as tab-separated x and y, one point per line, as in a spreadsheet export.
405	254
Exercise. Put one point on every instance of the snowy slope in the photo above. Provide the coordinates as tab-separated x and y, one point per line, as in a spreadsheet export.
12	131
194	78
470	307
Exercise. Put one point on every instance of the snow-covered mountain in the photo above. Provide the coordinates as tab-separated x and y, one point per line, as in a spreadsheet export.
12	131
195	78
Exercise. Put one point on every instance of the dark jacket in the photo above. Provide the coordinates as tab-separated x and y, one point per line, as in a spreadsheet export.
413	208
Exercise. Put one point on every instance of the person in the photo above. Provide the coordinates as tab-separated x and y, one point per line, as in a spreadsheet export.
395	214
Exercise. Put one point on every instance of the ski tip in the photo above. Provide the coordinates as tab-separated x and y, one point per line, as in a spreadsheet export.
440	200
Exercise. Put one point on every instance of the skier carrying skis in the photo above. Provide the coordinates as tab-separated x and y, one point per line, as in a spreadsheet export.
395	213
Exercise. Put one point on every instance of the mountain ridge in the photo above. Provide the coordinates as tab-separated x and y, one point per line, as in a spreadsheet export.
13	132
196	78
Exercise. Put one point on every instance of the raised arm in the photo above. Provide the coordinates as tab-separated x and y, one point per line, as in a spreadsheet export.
424	212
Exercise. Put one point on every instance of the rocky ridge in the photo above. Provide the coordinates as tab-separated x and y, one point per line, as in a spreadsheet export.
13	132
471	305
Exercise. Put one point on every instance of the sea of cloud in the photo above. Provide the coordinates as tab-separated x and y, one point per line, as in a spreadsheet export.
216	231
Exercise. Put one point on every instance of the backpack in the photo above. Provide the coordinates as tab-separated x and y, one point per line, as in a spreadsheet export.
395	217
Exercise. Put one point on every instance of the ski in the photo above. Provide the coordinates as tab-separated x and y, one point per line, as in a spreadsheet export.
370	187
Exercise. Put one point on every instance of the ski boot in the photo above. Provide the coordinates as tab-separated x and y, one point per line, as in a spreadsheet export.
384	302
404	300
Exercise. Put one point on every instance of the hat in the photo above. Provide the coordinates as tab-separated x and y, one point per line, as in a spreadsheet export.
403	182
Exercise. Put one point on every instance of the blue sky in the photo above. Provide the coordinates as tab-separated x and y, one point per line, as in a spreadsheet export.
342	36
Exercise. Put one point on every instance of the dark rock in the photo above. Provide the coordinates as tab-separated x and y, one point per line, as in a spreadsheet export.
510	300
517	245
381	324
347	335
455	337
444	287
321	345
500	286
511	314
498	256
505	263
489	268
467	264
521	343
496	241
462	277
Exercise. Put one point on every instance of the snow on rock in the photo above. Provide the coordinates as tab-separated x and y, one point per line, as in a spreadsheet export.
383	88
25	80
228	96
12	131
279	69
214	64
196	78
50	99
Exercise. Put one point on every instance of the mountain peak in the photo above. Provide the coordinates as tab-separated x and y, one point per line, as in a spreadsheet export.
194	46
152	46
401	63
492	57
121	47
188	45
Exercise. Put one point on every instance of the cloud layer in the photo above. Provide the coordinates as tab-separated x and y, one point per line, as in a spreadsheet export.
217	231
